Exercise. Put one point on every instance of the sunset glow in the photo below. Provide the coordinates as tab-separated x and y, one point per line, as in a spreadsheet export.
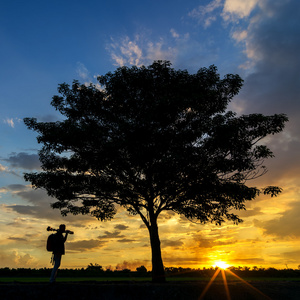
221	264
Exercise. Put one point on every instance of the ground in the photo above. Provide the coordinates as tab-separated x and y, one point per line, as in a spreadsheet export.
279	290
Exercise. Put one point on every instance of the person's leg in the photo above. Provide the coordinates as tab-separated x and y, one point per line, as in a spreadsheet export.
57	260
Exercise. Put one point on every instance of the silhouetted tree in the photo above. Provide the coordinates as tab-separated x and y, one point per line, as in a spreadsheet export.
141	269
94	268
153	139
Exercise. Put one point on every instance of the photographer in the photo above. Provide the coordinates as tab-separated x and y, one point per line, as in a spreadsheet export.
59	250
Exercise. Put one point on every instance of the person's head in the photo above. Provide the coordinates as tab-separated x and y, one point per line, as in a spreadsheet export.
62	228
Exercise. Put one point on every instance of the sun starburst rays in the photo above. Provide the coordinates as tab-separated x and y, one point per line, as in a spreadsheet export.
223	268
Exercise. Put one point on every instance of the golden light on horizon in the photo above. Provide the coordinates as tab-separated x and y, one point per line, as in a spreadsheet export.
221	265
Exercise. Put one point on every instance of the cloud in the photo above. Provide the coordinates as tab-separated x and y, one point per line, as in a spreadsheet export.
49	118
16	187
238	9
292	255
16	259
11	121
85	245
35	211
82	71
229	10
140	50
44	211
126	51
208	243
159	51
17	222
24	161
17	239
250	212
248	261
240	35
172	243
174	33
4	169
206	13
36	197
271	42
111	235
179	260
287	225
179	48
39	205
121	227
126	241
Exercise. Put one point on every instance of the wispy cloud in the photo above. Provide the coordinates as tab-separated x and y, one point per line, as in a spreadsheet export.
11	121
82	71
126	51
24	161
4	169
234	10
111	235
228	10
139	50
206	13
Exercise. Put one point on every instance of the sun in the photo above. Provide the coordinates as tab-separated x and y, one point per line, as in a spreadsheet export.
221	265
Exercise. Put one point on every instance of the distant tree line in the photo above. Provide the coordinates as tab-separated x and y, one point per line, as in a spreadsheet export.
92	270
96	270
240	271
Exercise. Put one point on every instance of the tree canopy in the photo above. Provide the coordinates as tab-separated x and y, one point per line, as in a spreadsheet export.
153	139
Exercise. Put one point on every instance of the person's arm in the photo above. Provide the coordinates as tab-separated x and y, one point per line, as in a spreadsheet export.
65	237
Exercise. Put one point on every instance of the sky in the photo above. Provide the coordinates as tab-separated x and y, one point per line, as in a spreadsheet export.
45	43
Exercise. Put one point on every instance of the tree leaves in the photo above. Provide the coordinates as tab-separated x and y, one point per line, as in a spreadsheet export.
153	139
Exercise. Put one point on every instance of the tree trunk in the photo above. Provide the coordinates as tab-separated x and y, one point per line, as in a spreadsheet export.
158	273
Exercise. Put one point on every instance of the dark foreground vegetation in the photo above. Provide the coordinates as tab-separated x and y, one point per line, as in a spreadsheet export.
150	291
95	270
94	283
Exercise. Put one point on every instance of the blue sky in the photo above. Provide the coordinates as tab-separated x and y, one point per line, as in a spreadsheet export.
44	43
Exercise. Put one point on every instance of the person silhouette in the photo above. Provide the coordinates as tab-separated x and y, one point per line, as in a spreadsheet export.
59	250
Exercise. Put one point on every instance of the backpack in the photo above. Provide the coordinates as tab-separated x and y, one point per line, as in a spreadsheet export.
51	242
